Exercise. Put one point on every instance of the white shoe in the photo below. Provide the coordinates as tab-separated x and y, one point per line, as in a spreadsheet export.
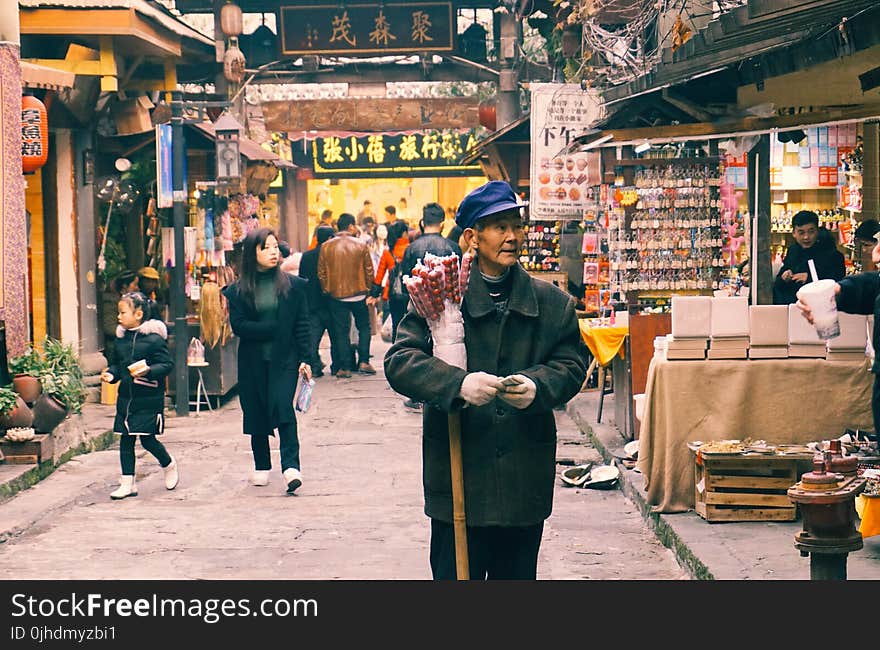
127	488
260	477
294	479
171	475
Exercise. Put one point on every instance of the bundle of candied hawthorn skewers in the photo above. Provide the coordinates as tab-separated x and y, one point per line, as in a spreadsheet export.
436	287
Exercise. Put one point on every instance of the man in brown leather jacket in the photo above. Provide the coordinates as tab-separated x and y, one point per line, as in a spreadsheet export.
345	270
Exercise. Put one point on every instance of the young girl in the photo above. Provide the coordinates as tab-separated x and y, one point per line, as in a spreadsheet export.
141	339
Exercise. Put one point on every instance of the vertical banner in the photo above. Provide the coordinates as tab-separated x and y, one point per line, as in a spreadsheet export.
164	190
562	182
14	307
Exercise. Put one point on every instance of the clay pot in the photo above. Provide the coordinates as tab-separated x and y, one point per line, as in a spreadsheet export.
28	387
49	412
20	416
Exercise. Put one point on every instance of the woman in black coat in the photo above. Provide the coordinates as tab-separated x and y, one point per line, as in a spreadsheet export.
268	310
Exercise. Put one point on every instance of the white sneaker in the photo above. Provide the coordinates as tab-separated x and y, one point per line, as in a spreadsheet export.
294	479
171	475
127	488
260	477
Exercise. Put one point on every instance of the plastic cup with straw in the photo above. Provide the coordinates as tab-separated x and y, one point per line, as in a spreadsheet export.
820	297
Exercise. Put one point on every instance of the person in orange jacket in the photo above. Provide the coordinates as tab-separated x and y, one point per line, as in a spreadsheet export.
388	263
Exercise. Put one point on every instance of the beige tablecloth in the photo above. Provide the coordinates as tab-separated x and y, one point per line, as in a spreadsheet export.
777	400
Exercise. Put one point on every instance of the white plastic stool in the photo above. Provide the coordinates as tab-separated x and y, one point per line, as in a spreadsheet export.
201	390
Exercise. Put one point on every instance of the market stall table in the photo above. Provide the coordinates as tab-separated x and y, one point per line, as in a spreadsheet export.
782	401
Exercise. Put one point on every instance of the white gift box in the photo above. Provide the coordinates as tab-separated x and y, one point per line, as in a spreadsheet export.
768	325
727	354
800	332
691	317
812	350
768	352
673	343
853	332
730	317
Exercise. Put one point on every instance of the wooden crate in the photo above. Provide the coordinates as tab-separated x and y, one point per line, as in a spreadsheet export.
745	488
33	451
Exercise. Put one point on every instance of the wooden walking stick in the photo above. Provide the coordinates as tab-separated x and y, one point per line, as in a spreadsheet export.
459	521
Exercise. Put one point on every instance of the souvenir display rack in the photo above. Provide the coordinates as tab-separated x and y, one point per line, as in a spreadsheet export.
540	249
666	232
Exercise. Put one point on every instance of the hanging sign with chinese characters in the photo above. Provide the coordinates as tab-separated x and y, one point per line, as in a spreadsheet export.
376	114
563	181
344	28
417	154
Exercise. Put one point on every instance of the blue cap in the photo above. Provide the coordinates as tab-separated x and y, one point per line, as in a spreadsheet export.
491	198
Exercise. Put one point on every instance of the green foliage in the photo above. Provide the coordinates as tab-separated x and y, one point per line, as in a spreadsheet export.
30	362
8	399
63	376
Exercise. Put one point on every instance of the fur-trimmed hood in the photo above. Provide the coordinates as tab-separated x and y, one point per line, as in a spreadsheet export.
152	326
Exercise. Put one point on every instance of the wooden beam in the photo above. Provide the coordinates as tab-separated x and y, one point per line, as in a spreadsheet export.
741	125
109	82
170	78
686	105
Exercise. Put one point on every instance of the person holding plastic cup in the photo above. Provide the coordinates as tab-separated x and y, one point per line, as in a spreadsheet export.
811	243
859	294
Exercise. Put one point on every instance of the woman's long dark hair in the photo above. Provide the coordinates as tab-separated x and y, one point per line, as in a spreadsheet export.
247	281
395	231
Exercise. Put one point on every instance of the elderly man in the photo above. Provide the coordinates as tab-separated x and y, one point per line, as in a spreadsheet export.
345	270
525	356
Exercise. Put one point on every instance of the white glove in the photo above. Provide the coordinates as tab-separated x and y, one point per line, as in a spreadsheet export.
520	395
480	388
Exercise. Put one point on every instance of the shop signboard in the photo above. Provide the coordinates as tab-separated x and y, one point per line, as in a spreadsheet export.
562	183
427	153
367	28
375	114
164	191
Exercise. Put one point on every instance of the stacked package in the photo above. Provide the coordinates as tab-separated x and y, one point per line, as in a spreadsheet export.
802	338
691	324
729	332
768	332
853	339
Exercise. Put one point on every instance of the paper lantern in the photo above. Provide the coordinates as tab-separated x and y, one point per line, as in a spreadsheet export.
231	23
34	134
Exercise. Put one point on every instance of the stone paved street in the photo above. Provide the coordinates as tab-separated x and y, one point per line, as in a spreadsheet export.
358	515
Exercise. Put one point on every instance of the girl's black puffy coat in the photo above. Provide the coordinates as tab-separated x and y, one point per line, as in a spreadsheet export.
141	400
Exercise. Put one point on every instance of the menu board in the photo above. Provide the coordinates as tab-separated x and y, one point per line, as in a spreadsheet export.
562	178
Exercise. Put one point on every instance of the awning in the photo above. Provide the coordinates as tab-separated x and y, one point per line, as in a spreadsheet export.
474	154
41	76
247	147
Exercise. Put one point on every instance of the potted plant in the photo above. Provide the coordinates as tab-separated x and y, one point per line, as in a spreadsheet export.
13	410
64	389
27	368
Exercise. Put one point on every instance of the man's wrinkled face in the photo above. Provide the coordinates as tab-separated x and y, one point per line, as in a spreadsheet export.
806	235
497	241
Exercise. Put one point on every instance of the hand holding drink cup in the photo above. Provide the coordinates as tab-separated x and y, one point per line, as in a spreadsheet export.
818	302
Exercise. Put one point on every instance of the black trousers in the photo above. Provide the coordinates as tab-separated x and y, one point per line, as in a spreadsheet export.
494	552
341	313
288	445
397	306
150	443
319	322
875	404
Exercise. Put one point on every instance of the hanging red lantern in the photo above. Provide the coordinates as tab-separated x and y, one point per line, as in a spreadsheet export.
34	134
487	113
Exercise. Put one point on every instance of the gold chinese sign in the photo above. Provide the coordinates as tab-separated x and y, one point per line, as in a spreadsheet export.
375	114
378	28
431	153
